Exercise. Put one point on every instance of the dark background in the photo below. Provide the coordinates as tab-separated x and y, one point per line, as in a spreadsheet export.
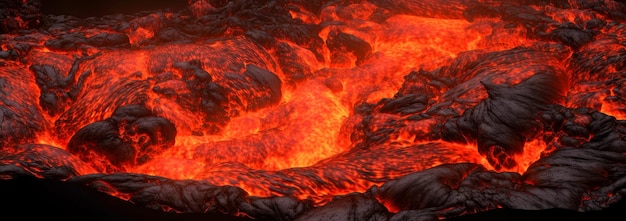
28	198
98	8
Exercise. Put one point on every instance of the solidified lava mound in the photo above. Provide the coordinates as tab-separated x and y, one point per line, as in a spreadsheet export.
320	110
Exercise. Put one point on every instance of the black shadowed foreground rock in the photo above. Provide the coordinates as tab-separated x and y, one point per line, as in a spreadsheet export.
314	110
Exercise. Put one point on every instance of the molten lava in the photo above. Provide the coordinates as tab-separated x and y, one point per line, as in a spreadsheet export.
298	103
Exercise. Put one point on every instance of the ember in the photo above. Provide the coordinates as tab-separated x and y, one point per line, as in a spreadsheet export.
301	110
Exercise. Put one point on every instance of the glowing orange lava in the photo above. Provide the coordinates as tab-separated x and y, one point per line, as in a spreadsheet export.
240	121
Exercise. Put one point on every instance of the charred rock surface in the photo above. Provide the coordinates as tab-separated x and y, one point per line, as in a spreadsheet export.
58	91
503	122
132	136
19	15
53	163
20	118
326	110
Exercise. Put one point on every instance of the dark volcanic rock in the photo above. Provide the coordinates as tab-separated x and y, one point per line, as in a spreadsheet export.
131	136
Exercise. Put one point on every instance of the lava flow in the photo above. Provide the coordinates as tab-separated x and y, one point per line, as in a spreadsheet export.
297	110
